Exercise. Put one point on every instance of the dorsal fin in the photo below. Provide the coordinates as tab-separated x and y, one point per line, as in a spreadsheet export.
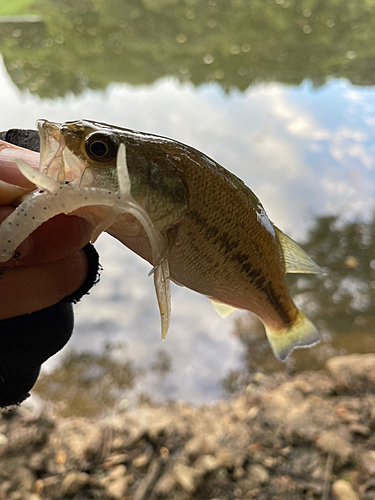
222	309
296	260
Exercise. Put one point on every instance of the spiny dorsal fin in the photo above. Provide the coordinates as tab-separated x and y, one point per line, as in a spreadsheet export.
296	260
222	309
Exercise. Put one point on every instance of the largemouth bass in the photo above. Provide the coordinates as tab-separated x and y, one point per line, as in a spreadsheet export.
194	221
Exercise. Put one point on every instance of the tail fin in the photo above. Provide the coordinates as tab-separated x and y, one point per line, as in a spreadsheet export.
301	334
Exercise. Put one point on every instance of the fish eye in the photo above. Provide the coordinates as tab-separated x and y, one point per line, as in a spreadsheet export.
101	147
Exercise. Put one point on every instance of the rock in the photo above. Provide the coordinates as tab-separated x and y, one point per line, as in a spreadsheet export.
142	460
166	484
16	495
252	413
116	473
117	488
258	475
188	478
295	415
118	443
368	462
226	458
342	490
284	484
335	444
116	482
73	483
354	372
51	486
200	445
164	452
38	486
360	429
239	472
3	441
206	464
120	458
37	461
83	438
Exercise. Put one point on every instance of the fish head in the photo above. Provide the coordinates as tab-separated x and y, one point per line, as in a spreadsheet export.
79	152
84	154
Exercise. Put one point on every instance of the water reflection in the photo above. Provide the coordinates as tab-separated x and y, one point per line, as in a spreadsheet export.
236	43
88	383
341	303
303	150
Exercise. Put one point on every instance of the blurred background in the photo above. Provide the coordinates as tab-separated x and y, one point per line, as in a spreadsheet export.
280	93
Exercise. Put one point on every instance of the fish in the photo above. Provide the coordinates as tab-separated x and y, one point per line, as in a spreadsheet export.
195	222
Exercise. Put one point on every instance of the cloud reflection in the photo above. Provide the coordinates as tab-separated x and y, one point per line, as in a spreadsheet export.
281	141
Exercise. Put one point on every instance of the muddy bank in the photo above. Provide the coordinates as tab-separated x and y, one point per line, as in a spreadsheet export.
307	436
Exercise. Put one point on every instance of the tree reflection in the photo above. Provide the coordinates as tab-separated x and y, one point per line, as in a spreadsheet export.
341	303
90	43
87	383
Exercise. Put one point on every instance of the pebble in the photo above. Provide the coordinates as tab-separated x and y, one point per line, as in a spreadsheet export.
252	413
37	461
368	462
334	443
226	458
360	429
206	464
354	371
166	484
34	496
120	458
116	473
3	441
250	451
258	475
188	478
142	460
117	488
73	483
342	490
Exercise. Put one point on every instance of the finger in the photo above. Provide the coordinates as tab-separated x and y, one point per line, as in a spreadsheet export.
9	171
26	289
56	239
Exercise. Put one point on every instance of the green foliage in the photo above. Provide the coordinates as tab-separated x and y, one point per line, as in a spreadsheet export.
341	303
15	7
343	300
87	384
90	43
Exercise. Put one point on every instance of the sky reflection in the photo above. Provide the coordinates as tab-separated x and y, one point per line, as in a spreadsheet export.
303	151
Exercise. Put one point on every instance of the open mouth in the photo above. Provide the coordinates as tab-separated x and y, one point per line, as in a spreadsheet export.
56	159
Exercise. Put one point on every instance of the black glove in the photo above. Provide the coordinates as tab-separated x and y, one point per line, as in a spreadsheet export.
29	340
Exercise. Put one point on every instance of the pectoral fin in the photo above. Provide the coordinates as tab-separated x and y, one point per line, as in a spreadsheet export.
295	259
163	294
222	309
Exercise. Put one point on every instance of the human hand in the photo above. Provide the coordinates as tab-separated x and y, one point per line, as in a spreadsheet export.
52	263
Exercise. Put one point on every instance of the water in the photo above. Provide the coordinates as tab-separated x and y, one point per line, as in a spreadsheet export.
278	94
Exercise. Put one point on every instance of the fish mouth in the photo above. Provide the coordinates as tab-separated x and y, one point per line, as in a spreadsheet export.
56	159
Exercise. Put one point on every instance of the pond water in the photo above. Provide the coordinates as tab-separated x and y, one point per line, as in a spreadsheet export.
279	93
